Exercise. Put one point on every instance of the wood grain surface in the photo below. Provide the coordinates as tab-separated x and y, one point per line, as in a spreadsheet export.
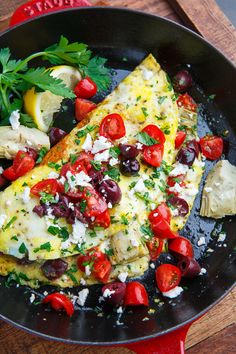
215	332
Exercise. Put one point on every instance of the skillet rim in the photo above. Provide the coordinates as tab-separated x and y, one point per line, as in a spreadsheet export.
201	313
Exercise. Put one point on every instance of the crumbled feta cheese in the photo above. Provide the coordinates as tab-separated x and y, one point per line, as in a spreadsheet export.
202	271
1	170
199	163
62	180
101	144
53	174
57	197
82	281
201	241
140	186
8	203
179	169
88	144
208	189
134	242
190	191
102	156
45	293
210	250
119	310
221	237
173	292
109	205
153	206
123	140
108	293
87	270
82	297
113	161
123	276
174	212
80	179
71	206
29	143
14	119
139	146
147	74
78	232
32	298
106	177
152	265
25	196
176	188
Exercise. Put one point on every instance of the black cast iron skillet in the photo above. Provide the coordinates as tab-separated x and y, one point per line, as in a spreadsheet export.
125	37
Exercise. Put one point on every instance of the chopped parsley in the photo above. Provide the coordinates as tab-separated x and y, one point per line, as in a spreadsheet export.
45	246
161	99
109	252
144	196
85	131
146	139
161	117
114	152
73	158
149	183
114	220
113	173
42	152
132	184
25	184
144	110
61	232
14	237
124	220
13	219
47	198
54	165
96	165
138	98
146	230
169	85
14	277
83	205
66	186
22	248
92	233
165	168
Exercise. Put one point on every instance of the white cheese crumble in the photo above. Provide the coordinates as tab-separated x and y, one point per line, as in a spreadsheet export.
139	146
102	156
14	119
82	296
108	293
25	196
8	203
119	310
140	186
123	276
2	219
176	188
173	292
109	205
71	206
179	169
221	237
101	144
1	170
82	281
32	298
199	163
201	241
190	191
208	189
113	161
87	270
147	74
88	144
202	271
57	197
134	242
80	179
78	232
152	265
53	175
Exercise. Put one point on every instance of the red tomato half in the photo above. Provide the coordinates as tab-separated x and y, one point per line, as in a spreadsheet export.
162	229
155	246
102	220
162	210
153	154
50	186
211	146
187	102
95	204
23	163
60	302
176	179
82	108
179	139
84	158
86	88
156	133
102	270
135	294
181	246
168	277
112	127
10	173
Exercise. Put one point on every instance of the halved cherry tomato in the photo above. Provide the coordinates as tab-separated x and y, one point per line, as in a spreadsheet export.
82	108
50	186
156	133
84	158
168	277
181	246
102	270
179	139
112	127
171	180
161	228
77	167
211	146
95	205
135	294
89	258
187	102
86	88
10	173
153	154
102	220
155	246
162	210
60	302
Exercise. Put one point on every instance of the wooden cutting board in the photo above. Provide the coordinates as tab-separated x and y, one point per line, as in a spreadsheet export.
215	332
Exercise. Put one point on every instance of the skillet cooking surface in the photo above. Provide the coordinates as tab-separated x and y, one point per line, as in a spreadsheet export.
125	37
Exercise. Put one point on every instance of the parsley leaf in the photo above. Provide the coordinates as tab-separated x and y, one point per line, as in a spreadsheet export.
13	219
60	232
73	158
27	120
22	248
146	230
113	173
41	154
96	165
144	110
85	131
98	73
124	220
114	152
146	139
45	246
161	99
47	198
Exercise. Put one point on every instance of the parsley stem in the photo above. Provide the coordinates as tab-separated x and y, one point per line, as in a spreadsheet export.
31	57
5	100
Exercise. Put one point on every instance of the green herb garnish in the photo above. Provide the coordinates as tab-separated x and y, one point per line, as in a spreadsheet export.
161	99
85	131
42	152
13	219
113	173
45	246
22	248
96	165
146	139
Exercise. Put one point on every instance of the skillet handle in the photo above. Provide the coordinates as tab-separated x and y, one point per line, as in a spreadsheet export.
170	343
35	8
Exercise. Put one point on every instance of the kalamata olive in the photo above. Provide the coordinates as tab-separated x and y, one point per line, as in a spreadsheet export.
32	152
76	214
40	210
53	269
180	204
110	190
114	293
128	151
55	135
60	210
186	156
96	177
189	267
193	144
182	81
129	167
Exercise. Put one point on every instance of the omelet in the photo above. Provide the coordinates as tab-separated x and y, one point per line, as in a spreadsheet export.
144	97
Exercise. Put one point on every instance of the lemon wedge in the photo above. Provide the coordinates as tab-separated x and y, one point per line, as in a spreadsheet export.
41	106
